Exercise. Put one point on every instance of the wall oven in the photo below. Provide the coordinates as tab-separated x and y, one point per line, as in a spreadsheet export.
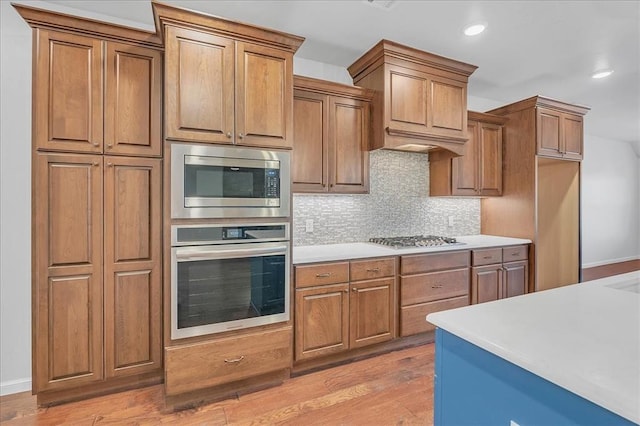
219	181
227	277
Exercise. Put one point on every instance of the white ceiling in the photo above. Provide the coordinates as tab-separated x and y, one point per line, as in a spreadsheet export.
549	48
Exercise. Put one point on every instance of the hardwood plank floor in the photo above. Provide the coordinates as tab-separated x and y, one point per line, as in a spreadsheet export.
390	389
603	271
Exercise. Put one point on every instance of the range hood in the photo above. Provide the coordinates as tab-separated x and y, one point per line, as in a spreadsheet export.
420	100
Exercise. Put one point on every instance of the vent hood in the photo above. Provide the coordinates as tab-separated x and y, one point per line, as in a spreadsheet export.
420	99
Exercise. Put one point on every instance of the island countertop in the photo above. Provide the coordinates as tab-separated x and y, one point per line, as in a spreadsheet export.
331	252
583	337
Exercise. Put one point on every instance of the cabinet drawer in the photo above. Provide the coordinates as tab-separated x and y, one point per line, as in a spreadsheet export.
321	274
212	363
370	269
413	318
420	263
511	254
487	256
433	286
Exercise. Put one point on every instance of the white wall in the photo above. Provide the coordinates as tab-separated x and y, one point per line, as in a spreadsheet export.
15	202
610	202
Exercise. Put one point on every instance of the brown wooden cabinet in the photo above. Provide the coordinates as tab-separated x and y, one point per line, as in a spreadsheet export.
334	315
541	190
97	316
559	134
421	98
331	137
498	273
226	82
430	283
96	96
478	172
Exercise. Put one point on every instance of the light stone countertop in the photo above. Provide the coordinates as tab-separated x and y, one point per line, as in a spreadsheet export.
331	252
583	337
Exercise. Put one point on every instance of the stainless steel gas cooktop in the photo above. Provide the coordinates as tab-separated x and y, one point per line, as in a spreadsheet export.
415	241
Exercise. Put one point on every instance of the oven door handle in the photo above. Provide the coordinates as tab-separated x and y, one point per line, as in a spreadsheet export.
212	254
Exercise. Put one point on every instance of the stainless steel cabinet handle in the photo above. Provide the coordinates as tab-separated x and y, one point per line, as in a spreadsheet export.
436	286
373	270
234	361
325	275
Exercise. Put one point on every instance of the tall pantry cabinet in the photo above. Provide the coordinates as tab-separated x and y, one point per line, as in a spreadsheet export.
543	140
96	211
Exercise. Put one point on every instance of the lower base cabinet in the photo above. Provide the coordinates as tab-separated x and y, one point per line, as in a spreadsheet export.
344	305
203	365
498	273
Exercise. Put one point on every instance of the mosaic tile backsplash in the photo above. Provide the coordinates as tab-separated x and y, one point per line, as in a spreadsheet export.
398	205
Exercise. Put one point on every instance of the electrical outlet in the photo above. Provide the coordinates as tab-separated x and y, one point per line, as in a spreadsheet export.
452	221
308	225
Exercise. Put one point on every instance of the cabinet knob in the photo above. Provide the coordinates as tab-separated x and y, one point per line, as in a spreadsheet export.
354	289
109	164
95	164
346	291
96	144
229	135
234	360
240	135
109	146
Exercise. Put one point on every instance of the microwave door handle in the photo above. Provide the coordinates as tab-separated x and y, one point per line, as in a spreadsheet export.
227	253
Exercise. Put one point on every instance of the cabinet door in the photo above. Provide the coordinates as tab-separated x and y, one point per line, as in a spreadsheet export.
372	312
572	136
322	321
199	86
516	278
490	163
264	96
447	107
548	129
67	316
132	274
348	145
486	283
464	169
406	105
67	93
133	101
309	167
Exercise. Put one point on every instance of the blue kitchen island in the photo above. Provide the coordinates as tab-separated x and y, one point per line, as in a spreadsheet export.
568	356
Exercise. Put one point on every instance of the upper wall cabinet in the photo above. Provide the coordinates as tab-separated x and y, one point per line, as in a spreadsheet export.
558	126
331	137
478	172
96	96
226	82
421	98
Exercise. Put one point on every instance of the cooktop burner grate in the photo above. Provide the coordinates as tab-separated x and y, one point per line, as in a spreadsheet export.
415	241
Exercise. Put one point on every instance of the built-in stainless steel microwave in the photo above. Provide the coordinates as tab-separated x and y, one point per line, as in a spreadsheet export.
219	181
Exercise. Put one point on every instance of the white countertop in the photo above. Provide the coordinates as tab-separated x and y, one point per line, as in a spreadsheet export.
583	337
330	252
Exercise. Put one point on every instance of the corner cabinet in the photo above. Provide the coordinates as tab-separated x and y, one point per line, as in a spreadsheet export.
331	137
478	171
226	83
421	98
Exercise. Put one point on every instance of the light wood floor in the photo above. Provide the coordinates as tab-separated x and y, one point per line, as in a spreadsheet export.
391	389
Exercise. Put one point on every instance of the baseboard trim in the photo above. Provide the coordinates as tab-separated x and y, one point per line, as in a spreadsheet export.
609	262
610	269
15	386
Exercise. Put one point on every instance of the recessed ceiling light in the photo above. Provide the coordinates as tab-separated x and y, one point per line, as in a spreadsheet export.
475	29
602	74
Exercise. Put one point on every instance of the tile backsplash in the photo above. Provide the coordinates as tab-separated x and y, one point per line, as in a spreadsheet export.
398	204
